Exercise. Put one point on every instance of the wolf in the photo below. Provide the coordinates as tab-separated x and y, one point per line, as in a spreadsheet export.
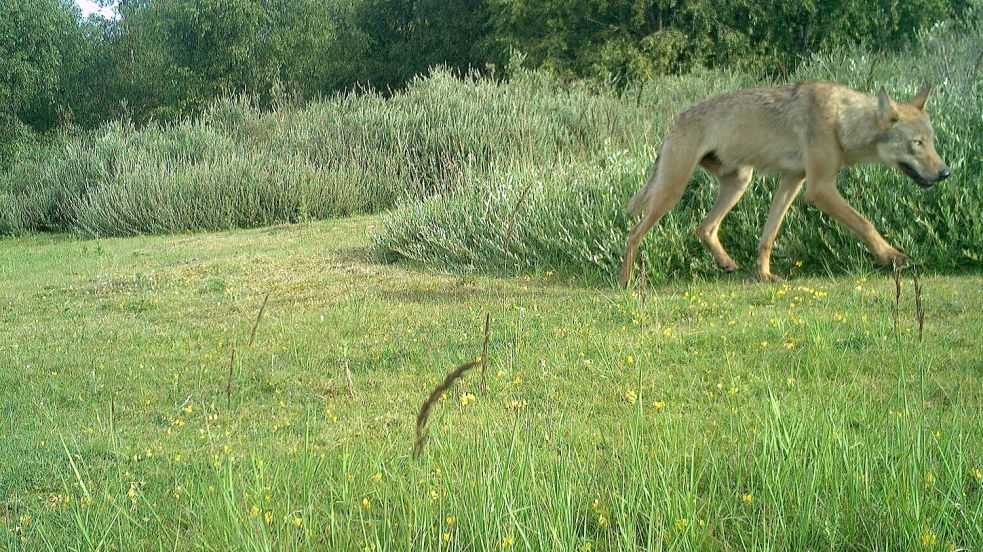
804	132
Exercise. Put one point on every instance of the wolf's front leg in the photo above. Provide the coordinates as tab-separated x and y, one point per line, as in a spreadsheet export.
827	198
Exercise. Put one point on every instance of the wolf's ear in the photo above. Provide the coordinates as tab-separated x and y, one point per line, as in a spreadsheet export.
887	114
921	97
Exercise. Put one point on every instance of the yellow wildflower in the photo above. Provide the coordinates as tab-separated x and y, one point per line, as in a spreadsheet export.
747	497
516	404
631	396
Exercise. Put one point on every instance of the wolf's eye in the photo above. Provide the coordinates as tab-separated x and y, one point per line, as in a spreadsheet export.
918	143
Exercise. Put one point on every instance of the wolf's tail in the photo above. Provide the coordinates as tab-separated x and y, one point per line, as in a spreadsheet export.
636	205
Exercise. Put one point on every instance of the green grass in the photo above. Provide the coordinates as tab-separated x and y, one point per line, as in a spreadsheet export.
707	415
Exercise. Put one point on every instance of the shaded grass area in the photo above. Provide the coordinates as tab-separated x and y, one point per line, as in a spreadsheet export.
708	415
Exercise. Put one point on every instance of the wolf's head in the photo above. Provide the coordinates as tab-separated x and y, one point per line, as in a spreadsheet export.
908	141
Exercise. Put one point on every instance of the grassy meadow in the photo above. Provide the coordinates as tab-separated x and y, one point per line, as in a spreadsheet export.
205	342
702	415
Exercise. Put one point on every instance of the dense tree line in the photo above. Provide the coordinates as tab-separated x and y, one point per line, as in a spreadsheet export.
162	59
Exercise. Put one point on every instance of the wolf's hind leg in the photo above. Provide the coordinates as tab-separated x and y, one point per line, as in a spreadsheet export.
674	171
732	187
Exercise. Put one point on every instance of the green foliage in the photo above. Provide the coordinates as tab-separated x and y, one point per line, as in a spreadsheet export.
166	59
162	60
407	37
238	166
631	40
38	38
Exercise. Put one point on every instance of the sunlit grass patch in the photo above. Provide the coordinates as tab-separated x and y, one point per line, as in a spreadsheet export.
701	415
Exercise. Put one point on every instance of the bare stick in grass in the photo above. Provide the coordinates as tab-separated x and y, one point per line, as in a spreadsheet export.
919	309
252	338
896	273
484	352
259	316
644	287
515	211
348	379
112	419
421	419
228	383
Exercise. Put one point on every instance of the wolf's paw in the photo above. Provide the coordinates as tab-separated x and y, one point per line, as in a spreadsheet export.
893	258
728	265
766	278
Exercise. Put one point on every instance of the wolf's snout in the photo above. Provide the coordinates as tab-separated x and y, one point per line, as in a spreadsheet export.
943	174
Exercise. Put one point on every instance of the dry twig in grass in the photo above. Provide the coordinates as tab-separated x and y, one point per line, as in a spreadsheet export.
515	211
252	338
484	352
228	382
421	419
112	419
643	288
919	310
896	273
348	379
259	316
